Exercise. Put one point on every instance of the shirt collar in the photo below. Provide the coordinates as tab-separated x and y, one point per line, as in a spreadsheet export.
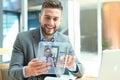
42	38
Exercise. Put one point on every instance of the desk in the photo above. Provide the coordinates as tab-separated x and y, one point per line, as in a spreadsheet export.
87	78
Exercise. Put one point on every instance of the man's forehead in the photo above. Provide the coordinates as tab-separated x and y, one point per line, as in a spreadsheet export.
52	12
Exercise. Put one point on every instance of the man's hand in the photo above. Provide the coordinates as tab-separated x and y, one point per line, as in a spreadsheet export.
37	67
68	60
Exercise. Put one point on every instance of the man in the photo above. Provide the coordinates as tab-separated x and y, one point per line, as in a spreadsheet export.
24	65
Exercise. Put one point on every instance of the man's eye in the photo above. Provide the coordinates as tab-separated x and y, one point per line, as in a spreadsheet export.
55	19
47	17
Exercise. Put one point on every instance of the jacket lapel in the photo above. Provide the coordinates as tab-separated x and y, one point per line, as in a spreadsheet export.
36	40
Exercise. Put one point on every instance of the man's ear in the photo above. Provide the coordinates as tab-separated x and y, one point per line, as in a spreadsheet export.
39	17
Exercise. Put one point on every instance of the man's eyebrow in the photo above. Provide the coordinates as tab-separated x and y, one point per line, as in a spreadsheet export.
49	16
46	15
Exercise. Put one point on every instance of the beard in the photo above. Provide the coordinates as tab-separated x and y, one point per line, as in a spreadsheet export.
48	30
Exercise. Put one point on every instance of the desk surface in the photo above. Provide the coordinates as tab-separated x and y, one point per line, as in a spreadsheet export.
87	78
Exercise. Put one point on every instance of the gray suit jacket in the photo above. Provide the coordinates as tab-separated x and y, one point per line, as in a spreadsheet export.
25	49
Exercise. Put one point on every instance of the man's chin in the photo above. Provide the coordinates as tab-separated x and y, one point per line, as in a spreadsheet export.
49	34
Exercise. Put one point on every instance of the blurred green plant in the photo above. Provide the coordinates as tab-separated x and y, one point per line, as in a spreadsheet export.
105	44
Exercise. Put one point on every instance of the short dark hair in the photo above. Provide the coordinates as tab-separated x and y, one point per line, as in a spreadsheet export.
52	4
47	49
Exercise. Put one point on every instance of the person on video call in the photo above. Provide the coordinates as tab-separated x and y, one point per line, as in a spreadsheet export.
24	65
49	59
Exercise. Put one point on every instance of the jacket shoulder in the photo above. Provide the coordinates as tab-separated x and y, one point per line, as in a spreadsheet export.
62	37
28	33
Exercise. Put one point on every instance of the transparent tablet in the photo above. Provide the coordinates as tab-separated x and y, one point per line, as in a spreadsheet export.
54	53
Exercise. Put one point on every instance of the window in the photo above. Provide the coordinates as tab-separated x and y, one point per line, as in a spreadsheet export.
10	28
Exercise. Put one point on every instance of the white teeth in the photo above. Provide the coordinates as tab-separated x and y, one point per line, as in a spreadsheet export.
49	27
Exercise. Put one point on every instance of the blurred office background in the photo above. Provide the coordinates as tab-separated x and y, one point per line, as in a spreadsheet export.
84	21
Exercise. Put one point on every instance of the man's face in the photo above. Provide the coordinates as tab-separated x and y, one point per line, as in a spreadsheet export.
47	53
50	20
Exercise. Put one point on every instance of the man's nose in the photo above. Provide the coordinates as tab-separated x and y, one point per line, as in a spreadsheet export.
51	22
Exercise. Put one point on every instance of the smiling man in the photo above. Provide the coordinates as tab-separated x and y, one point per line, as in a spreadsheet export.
50	19
24	65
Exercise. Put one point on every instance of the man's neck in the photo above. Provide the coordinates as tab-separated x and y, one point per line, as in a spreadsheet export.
48	38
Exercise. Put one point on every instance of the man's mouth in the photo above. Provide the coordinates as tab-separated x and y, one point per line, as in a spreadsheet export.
49	27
